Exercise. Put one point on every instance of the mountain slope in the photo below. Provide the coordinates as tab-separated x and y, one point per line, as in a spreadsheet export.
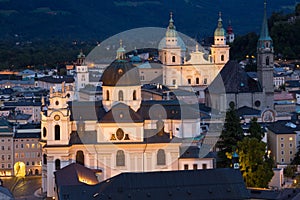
94	19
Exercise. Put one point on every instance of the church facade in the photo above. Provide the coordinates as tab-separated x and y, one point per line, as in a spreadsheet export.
201	68
120	133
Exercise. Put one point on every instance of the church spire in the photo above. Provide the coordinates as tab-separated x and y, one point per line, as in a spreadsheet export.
171	29
264	34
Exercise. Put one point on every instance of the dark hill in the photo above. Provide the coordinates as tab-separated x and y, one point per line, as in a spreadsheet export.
99	19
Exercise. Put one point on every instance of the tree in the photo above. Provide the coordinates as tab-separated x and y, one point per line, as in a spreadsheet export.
231	134
255	130
296	160
255	165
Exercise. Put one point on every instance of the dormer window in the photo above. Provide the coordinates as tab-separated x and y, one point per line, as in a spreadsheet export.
121	95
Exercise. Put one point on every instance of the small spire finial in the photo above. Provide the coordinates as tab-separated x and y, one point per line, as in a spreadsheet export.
171	15
121	42
220	14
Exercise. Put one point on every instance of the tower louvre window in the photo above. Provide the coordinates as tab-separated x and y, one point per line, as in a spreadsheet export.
267	60
134	95
121	95
57	132
57	164
80	157
173	59
222	58
107	95
197	81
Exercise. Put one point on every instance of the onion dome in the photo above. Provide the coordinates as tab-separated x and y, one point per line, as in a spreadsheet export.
229	28
171	30
220	30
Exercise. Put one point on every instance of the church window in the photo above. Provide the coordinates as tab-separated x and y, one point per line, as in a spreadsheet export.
161	157
197	81
189	81
44	132
195	166
121	96
267	44
120	134
107	95
120	158
134	95
173	59
205	81
57	103
257	103
267	60
174	81
80	157
57	132
222	57
57	164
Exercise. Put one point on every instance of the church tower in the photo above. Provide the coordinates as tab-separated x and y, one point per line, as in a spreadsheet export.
171	52
121	83
265	61
55	132
220	50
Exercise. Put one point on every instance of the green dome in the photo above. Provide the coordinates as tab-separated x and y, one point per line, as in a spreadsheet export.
219	32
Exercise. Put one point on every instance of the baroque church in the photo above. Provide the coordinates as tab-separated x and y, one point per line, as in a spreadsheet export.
121	133
124	133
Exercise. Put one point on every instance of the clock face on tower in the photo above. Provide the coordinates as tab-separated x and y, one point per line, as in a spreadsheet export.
120	134
56	117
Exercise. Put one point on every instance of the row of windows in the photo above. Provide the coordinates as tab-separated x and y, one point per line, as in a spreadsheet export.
28	155
160	158
282	160
197	81
121	95
4	156
28	146
3	148
3	140
282	152
282	145
195	166
3	166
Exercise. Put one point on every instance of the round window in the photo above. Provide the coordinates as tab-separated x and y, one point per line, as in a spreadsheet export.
257	103
57	103
120	134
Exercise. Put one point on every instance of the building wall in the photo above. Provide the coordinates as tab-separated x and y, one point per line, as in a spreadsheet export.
283	147
28	151
6	158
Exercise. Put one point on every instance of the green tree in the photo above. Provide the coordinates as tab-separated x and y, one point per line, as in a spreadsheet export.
255	166
296	160
290	170
255	130
231	134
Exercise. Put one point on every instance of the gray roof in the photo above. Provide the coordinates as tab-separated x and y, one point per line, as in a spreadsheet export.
222	183
235	80
283	127
245	110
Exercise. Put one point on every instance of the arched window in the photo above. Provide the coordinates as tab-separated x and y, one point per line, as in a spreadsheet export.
173	58
197	81
57	132
107	95
80	157
45	159
57	164
120	158
134	95
222	57
267	60
161	157
121	96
